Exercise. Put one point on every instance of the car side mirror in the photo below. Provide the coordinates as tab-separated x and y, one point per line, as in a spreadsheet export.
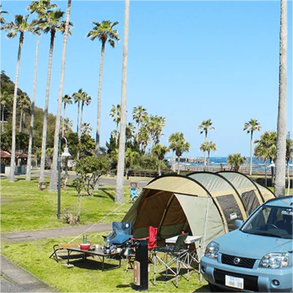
238	223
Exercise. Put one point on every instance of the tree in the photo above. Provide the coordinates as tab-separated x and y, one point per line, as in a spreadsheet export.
251	126
282	120
266	148
90	169
121	152
78	97
5	99
51	22
208	146
130	157
179	145
39	7
65	28
20	26
67	100
140	116
85	101
104	32
205	127
160	152
24	104
2	19
172	140
155	126
235	161
115	114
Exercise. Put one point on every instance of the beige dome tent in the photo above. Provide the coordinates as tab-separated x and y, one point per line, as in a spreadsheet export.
202	203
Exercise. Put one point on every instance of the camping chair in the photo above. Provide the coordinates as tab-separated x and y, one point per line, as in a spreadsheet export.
176	252
152	245
121	234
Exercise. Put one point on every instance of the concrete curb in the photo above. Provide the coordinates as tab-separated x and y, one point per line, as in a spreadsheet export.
16	279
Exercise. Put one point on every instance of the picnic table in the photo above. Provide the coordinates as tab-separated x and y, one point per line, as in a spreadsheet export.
95	251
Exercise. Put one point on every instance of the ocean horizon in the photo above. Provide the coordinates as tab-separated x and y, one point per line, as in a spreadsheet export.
218	161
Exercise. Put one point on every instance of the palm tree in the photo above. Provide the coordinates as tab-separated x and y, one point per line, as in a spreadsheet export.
104	32
24	104
20	26
172	140
2	19
139	115
39	7
5	99
205	127
235	161
130	157
282	120
208	146
65	28
266	148
78	97
251	126
160	152
50	22
115	114
121	153
67	100
85	101
179	146
143	138
155	126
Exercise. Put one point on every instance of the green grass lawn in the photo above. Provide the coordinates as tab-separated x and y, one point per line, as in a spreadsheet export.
87	276
24	207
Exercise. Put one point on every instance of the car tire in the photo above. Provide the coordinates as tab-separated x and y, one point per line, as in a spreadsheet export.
214	288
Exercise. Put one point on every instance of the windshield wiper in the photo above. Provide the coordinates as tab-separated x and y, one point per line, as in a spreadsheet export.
268	234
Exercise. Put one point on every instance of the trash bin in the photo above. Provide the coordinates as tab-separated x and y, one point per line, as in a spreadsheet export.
141	265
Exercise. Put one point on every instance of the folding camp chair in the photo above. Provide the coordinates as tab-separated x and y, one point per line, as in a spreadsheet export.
176	253
120	235
152	245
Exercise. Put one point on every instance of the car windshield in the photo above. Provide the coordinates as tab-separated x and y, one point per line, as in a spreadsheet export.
270	221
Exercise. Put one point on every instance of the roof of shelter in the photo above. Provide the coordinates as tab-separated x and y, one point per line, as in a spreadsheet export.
7	155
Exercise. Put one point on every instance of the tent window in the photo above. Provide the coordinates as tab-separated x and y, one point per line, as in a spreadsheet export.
230	209
250	201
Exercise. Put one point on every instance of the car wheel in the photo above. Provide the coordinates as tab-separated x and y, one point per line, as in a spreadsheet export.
214	288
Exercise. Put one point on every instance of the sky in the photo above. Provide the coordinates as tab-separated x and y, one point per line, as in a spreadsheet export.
188	61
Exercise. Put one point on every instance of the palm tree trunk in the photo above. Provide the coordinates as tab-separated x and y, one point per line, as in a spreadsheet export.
30	143
250	159
13	143
45	126
281	127
98	130
178	166
20	121
121	154
53	179
63	121
3	111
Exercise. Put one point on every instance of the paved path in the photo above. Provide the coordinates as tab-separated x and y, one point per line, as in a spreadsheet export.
15	278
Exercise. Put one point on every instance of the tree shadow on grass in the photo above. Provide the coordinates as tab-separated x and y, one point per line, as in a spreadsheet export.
106	192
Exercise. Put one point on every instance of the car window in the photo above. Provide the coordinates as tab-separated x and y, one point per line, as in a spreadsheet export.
270	221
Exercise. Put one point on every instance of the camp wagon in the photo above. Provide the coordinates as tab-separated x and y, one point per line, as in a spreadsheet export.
257	256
